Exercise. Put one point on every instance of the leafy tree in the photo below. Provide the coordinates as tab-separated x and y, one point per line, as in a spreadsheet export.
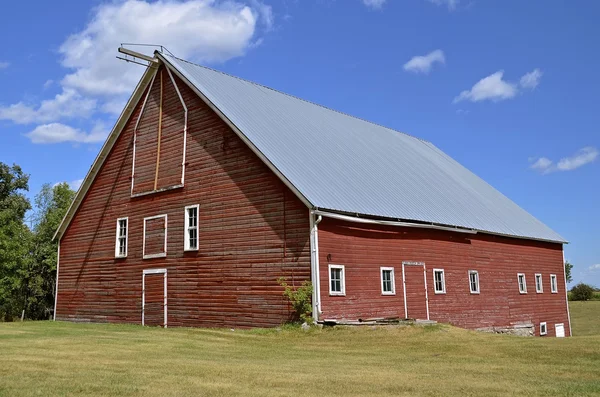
51	205
568	268
582	292
14	239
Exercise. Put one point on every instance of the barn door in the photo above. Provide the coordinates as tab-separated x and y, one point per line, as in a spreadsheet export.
414	280
154	297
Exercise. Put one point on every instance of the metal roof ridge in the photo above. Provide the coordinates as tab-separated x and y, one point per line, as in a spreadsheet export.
296	97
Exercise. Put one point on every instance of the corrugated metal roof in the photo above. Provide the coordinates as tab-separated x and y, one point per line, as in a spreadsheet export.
342	163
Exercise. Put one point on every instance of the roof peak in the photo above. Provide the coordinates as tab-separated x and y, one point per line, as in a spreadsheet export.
293	96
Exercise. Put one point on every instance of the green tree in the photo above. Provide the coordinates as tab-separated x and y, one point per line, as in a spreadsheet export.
582	292
51	204
568	268
14	239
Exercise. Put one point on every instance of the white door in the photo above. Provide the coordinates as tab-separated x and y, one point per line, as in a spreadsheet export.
560	330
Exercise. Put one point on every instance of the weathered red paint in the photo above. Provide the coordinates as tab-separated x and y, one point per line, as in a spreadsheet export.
363	249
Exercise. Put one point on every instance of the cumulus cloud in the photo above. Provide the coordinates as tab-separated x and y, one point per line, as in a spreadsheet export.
97	85
376	4
492	87
532	79
424	63
59	133
4	65
76	184
451	4
583	156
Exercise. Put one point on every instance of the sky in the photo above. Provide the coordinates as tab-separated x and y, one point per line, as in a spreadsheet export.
507	88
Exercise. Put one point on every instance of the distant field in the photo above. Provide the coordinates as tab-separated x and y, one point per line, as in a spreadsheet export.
585	318
63	359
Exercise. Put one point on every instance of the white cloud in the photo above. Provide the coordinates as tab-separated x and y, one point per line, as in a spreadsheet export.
531	79
58	133
492	87
583	156
594	267
48	84
424	63
68	104
4	65
451	4
376	4
76	184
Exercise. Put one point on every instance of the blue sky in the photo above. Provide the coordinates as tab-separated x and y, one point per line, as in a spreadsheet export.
507	88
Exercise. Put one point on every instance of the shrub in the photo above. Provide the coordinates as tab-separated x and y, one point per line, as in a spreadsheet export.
300	298
581	292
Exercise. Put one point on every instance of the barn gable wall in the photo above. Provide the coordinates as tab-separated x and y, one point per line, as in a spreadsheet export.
364	249
252	229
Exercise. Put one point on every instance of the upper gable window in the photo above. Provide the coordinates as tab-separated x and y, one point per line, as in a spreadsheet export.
155	237
121	240
191	227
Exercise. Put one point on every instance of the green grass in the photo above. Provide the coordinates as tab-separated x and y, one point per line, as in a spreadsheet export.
64	359
585	317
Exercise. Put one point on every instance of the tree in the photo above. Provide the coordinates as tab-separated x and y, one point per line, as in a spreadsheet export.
51	205
582	292
14	239
568	268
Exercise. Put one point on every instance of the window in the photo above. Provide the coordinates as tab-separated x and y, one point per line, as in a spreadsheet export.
543	328
121	241
539	287
388	284
474	281
337	282
191	227
155	237
553	284
439	283
522	283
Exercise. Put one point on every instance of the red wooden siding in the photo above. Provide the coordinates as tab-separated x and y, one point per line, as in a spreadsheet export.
252	230
416	298
155	235
363	250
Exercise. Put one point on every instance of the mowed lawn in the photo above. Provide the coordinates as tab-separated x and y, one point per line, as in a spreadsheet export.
64	359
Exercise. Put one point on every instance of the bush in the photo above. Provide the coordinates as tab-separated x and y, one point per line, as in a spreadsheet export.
300	298
581	292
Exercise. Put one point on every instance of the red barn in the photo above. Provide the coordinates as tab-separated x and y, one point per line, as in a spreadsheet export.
210	188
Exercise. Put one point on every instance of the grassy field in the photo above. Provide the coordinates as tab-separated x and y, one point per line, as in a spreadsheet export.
585	317
63	359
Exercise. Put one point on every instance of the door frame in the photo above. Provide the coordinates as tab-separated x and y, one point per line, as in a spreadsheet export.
151	272
406	263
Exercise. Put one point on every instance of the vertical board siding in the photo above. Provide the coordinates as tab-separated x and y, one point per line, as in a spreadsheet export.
154	310
252	230
416	301
364	249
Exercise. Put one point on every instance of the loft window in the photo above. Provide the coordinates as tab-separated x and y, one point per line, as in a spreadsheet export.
553	284
388	284
539	287
439	281
474	281
155	237
543	329
191	227
522	283
337	282
121	241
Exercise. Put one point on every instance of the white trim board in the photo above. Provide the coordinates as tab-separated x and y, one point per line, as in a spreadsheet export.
146	272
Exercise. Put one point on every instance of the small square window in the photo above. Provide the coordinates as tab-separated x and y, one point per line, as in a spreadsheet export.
121	240
553	284
522	283
337	282
539	287
474	281
543	329
191	228
439	282
388	284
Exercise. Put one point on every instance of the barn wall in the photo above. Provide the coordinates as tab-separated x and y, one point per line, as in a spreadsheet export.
252	230
364	249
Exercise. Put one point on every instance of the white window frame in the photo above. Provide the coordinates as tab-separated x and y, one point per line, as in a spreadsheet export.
161	255
393	280
342	281
553	284
118	237
524	289
186	240
435	289
538	276
545	331
476	273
